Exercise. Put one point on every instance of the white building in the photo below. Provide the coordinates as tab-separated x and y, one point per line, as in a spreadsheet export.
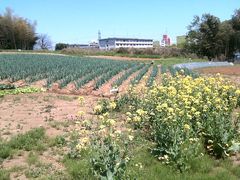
113	43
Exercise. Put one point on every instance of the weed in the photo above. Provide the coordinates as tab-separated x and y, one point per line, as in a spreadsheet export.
4	174
32	158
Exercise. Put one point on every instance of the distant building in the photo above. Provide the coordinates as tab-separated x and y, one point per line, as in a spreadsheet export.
181	41
91	45
165	41
113	43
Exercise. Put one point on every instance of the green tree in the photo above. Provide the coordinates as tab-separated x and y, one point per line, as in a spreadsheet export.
224	36
16	32
235	39
60	46
202	36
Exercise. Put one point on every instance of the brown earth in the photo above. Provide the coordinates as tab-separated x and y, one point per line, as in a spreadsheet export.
104	90
124	86
20	113
124	58
232	70
57	114
231	73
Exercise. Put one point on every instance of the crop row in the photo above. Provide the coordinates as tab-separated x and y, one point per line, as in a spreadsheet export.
60	69
174	70
128	73
141	74
152	76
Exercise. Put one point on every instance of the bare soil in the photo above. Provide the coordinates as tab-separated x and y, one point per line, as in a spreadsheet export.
124	86
124	58
232	70
104	90
232	73
20	113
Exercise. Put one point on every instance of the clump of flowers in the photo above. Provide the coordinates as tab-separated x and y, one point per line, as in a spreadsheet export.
81	100
185	113
109	149
104	106
81	114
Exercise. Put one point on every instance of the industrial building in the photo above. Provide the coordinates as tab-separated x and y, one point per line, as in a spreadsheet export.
114	43
165	41
91	45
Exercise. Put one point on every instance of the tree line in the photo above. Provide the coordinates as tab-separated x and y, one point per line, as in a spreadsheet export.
208	36
20	33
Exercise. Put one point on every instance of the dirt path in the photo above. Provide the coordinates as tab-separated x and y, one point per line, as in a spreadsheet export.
143	81
159	75
44	53
104	90
125	85
124	58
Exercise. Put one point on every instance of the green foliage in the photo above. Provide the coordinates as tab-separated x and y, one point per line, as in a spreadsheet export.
5	150
4	175
6	86
23	90
120	80
139	76
183	71
167	62
152	76
164	69
59	141
108	161
32	158
209	37
29	140
16	32
60	69
202	35
184	114
60	46
78	168
110	73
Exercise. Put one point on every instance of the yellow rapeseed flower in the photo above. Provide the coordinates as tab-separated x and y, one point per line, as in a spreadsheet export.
186	127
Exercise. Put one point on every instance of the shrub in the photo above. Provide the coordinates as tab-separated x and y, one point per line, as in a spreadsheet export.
183	113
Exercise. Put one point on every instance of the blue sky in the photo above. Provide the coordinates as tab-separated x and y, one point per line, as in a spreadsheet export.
78	21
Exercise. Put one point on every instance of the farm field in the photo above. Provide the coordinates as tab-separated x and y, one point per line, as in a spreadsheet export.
165	123
67	74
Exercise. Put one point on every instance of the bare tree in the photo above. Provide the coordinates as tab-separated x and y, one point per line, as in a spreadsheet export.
44	42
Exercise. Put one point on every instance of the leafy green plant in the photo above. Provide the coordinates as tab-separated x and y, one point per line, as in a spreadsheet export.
6	86
120	80
60	69
4	175
143	71
5	150
108	161
22	90
152	76
109	151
